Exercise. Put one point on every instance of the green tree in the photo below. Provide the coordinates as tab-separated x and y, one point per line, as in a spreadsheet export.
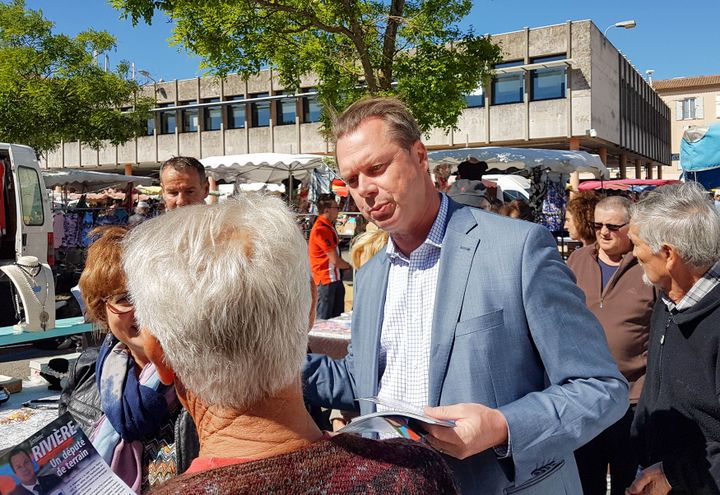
51	89
414	49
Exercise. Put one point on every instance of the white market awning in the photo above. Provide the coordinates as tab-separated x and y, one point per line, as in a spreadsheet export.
501	159
268	168
87	180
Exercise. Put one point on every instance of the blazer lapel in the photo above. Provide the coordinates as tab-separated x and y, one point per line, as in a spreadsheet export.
373	308
456	257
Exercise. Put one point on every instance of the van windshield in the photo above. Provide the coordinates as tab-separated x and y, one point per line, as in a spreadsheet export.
31	197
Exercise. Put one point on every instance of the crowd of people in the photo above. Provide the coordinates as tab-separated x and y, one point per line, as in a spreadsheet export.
549	371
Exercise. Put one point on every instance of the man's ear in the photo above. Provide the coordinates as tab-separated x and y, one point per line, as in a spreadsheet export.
207	188
156	355
421	152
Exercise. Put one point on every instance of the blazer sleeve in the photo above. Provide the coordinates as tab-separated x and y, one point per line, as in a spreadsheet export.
330	382
586	393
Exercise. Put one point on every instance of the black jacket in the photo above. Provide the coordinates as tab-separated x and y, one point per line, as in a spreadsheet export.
81	398
677	420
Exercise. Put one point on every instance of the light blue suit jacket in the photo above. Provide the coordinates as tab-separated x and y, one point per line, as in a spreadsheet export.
511	331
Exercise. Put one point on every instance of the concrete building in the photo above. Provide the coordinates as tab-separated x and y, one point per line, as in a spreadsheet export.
692	101
563	86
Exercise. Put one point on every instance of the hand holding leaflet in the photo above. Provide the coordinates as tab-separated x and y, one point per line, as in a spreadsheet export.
399	419
476	429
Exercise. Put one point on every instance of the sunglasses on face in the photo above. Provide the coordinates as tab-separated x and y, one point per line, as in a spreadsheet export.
119	303
610	226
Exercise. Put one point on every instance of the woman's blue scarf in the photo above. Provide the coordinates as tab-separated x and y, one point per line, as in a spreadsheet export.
134	407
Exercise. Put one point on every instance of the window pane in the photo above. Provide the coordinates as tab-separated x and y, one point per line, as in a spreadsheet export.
167	119
213	115
508	88
688	108
475	99
548	83
151	126
236	115
168	123
30	196
213	118
286	111
190	117
260	111
311	107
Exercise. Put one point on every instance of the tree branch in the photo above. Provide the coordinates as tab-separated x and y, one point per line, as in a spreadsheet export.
388	53
312	18
363	53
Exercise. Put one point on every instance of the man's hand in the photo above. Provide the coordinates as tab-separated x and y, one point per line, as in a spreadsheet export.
477	428
651	481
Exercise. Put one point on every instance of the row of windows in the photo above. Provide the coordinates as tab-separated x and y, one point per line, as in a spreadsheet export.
236	114
545	84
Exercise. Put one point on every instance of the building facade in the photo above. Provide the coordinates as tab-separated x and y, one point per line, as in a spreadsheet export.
563	86
692	101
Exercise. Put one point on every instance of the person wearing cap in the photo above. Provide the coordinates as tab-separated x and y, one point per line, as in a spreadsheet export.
469	192
140	215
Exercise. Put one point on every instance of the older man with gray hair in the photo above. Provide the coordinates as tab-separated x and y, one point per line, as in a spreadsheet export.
676	233
224	298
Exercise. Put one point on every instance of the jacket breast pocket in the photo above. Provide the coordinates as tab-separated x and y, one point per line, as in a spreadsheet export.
480	323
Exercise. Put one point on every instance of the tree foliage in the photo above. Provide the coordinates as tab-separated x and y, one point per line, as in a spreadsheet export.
413	49
51	89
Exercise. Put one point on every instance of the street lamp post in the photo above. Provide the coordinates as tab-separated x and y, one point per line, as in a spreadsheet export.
629	24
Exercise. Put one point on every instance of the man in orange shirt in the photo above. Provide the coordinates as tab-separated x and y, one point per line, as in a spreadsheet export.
325	260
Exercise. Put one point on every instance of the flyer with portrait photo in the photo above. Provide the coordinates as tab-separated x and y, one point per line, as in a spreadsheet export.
57	460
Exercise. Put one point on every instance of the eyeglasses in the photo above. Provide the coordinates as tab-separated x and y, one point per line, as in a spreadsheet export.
610	226
119	303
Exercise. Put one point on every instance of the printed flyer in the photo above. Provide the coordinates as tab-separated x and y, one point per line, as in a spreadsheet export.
57	460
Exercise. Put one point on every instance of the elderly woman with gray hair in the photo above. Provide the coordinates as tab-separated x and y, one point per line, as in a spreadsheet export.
224	297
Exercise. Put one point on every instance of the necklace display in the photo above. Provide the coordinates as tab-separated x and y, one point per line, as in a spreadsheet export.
30	274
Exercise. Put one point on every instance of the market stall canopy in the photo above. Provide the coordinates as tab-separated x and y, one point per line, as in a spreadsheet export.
86	180
270	168
700	148
625	184
501	159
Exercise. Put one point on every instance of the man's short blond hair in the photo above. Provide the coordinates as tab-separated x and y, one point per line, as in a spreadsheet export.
401	125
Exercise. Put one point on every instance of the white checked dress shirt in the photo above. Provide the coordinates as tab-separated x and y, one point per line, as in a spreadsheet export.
700	289
408	315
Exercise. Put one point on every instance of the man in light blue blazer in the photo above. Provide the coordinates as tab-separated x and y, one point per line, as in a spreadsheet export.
470	311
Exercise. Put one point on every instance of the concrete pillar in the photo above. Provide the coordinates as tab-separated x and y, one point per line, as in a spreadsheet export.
623	166
648	170
659	171
638	170
213	199
602	152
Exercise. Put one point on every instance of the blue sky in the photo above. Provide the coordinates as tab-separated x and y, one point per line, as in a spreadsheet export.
671	38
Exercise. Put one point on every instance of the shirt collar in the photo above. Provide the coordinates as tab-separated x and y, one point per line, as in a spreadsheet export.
434	237
700	289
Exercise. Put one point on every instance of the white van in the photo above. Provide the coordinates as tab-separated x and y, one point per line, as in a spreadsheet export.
510	186
25	217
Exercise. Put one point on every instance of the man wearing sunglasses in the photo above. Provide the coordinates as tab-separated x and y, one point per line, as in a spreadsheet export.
611	278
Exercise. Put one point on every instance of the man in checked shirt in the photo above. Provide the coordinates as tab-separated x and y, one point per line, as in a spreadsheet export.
469	311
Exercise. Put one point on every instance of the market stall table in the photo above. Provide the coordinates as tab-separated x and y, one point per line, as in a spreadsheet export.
63	328
331	337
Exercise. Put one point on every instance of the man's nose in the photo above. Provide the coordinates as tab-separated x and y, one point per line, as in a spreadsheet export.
366	187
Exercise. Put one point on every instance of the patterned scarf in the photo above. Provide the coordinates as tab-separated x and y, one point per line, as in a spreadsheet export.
134	408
